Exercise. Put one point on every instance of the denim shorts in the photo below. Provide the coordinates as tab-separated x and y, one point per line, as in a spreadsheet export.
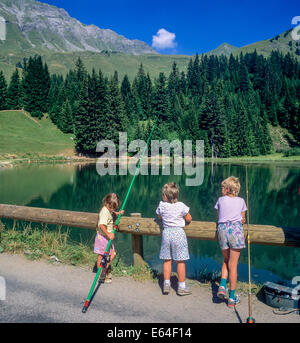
231	235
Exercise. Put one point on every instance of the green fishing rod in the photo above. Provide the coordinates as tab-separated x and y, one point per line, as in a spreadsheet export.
250	319
106	257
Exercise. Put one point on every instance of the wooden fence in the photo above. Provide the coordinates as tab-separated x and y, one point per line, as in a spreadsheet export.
138	226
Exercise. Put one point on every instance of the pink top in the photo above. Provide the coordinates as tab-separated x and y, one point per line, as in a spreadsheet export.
230	209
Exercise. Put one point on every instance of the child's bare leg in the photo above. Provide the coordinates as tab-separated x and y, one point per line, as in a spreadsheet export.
232	266
181	271
99	259
224	270
183	289
112	256
167	268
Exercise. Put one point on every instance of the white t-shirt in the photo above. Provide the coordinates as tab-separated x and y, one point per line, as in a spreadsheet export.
172	214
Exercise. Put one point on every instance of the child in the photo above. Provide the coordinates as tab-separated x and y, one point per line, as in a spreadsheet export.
231	213
105	233
174	216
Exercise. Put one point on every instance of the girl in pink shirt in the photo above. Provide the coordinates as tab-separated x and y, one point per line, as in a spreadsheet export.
231	216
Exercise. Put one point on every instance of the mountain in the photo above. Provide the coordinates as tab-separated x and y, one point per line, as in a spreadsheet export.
224	49
32	25
39	28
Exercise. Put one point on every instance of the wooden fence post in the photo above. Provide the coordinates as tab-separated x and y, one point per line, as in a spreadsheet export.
137	243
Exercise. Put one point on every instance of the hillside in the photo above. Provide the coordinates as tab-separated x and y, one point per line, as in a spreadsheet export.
282	42
122	63
108	62
22	135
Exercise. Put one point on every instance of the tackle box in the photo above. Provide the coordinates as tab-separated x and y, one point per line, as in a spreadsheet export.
280	296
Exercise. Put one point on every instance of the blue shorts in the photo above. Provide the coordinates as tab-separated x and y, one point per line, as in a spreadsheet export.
231	235
174	245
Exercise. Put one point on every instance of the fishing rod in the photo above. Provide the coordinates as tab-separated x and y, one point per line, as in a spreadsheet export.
105	260
250	319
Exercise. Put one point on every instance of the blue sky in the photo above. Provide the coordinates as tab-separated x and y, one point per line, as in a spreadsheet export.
190	26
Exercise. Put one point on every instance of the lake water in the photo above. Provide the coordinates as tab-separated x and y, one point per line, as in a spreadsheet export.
274	199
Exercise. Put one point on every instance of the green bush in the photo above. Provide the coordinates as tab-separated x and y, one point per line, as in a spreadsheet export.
37	114
292	152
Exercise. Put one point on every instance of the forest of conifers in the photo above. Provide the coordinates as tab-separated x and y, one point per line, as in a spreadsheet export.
227	102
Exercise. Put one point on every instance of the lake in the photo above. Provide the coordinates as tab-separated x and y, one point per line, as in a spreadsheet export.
274	199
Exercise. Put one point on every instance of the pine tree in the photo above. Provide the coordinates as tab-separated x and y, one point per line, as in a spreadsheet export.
58	97
193	77
174	81
244	134
14	92
116	118
55	82
81	119
212	119
3	92
36	85
102	108
253	110
65	122
295	125
129	100
288	105
142	90
244	81
160	99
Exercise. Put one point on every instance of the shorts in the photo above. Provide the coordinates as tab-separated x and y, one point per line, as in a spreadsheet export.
174	245
231	235
101	244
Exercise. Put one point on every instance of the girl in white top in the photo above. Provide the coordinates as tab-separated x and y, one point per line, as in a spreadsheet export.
174	215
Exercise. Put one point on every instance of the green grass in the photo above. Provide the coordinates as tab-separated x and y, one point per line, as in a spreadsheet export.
61	63
22	135
56	246
279	157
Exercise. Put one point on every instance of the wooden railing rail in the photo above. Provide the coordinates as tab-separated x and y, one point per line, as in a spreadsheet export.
138	226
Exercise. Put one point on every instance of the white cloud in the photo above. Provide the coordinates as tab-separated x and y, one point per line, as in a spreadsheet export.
164	40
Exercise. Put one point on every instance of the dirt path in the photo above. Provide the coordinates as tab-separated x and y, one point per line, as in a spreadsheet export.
37	291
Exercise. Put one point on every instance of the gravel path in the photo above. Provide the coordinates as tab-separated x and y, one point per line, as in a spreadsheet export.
40	292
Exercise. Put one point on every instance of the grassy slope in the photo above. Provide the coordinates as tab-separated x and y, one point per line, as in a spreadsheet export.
265	47
20	135
124	64
61	63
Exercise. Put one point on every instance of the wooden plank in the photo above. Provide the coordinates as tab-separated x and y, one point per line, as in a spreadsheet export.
260	234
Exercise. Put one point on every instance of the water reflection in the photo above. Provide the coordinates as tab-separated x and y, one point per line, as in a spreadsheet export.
273	200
